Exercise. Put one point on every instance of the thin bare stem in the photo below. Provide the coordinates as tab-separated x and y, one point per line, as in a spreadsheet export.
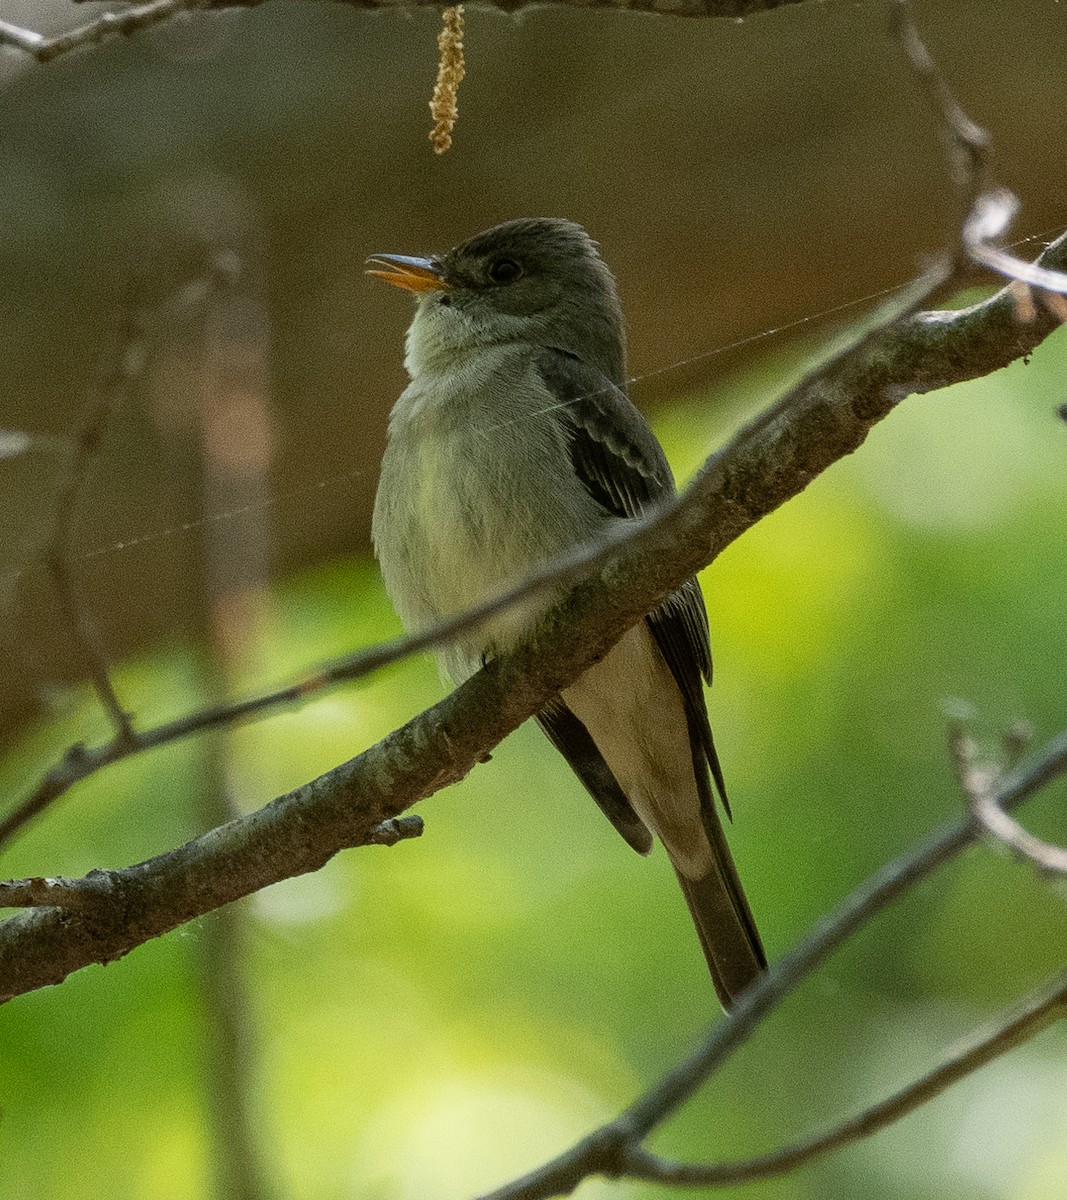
119	361
79	762
606	1150
968	143
986	211
101	28
978	781
123	359
988	222
1016	1025
143	16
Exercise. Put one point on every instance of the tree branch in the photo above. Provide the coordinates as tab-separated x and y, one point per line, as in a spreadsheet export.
113	377
607	1150
824	418
1010	1029
926	352
101	917
80	761
143	16
102	28
970	145
123	358
978	781
98	888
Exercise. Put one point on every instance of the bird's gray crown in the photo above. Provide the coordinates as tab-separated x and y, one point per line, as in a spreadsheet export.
538	281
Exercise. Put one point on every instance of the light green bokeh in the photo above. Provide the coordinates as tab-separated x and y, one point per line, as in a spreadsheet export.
438	1016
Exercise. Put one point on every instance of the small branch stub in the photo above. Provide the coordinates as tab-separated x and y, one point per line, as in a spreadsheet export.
444	107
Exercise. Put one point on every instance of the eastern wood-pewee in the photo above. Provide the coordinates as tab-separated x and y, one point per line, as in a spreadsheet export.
514	441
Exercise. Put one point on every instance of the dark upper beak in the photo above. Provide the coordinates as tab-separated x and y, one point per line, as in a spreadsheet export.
411	274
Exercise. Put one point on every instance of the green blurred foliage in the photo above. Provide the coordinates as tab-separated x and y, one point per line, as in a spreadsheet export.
435	1018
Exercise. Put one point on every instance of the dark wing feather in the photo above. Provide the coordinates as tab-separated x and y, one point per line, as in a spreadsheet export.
680	627
614	452
572	740
622	465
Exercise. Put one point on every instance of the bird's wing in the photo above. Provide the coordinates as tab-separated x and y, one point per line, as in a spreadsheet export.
617	457
614	452
572	740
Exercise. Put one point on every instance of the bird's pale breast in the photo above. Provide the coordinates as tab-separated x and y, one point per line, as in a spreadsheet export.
473	497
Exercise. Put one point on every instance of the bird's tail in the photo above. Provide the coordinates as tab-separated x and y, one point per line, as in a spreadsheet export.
717	902
723	919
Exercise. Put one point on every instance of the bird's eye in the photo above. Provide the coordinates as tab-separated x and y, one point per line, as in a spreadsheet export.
504	270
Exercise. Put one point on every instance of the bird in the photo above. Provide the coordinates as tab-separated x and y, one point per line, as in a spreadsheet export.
515	440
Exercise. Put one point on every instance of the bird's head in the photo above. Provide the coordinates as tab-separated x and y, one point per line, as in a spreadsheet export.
536	281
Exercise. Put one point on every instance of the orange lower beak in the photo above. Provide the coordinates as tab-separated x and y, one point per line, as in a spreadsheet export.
411	274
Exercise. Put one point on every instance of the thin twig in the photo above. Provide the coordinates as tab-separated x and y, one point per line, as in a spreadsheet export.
142	16
1014	1026
986	212
982	231
123	359
101	28
80	761
113	377
605	1150
968	143
978	782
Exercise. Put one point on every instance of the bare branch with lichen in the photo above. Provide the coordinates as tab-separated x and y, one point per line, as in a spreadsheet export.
823	418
